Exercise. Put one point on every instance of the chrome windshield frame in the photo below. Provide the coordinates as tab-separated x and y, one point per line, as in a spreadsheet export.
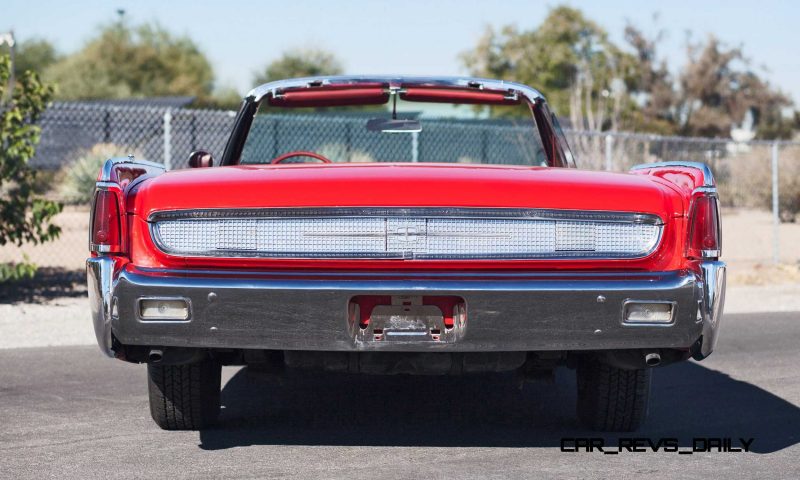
559	155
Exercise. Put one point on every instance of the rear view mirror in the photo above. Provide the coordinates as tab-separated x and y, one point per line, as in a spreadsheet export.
200	159
391	125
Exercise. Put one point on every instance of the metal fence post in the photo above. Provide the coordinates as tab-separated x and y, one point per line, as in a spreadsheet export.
107	126
609	153
168	139
415	147
776	218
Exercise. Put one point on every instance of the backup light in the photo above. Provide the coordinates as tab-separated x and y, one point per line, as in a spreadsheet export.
163	309
635	312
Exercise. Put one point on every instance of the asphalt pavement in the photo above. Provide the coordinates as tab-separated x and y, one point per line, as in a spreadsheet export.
69	412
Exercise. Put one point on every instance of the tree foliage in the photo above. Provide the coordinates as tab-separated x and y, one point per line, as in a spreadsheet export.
718	89
34	54
141	61
300	63
652	86
602	86
569	58
24	216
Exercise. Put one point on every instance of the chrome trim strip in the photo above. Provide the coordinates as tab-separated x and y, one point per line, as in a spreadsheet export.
712	304
100	280
383	275
426	212
708	175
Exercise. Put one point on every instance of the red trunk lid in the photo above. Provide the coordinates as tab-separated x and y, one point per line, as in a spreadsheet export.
404	185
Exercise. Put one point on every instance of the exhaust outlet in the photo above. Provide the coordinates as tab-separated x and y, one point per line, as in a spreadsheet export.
155	356
652	359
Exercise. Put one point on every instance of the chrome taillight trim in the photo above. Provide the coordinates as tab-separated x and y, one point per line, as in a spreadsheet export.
569	217
118	192
704	254
421	212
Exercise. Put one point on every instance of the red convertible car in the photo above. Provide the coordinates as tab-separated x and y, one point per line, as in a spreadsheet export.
368	241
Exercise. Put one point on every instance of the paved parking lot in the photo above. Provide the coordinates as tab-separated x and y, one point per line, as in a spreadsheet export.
69	412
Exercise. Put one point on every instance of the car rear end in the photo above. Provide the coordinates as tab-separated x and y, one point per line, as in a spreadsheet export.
412	267
474	286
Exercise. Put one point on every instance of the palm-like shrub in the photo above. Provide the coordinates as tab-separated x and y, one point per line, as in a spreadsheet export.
79	176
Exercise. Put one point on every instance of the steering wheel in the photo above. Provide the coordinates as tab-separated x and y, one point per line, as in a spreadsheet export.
300	153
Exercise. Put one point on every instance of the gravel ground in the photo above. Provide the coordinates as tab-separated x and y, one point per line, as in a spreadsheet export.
55	322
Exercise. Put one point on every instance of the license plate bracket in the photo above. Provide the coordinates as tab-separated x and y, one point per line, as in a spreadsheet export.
407	319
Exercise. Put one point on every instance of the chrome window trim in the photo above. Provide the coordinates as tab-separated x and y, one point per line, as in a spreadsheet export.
425	212
395	82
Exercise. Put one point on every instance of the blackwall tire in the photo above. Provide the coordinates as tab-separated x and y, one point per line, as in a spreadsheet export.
184	397
612	399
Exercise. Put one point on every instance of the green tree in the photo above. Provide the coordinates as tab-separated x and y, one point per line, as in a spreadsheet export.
141	61
569	58
24	216
300	63
34	54
718	88
653	86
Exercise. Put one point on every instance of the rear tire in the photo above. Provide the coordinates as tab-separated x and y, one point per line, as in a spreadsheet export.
612	399
184	397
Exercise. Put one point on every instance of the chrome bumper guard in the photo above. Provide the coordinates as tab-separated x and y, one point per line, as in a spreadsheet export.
505	312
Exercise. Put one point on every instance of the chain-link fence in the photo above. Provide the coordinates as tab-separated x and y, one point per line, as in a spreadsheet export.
758	181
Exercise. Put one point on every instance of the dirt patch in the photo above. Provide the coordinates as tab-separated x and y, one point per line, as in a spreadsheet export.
763	274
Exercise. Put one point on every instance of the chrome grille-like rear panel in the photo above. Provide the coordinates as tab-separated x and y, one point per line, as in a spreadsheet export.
425	233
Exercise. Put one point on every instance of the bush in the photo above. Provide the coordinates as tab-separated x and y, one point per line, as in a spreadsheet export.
12	272
788	195
79	177
24	215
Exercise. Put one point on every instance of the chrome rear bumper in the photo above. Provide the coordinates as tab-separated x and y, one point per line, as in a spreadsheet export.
506	312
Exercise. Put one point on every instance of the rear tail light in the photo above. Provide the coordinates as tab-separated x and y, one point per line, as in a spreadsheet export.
705	237
106	233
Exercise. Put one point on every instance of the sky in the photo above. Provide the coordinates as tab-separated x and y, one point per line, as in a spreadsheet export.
410	36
